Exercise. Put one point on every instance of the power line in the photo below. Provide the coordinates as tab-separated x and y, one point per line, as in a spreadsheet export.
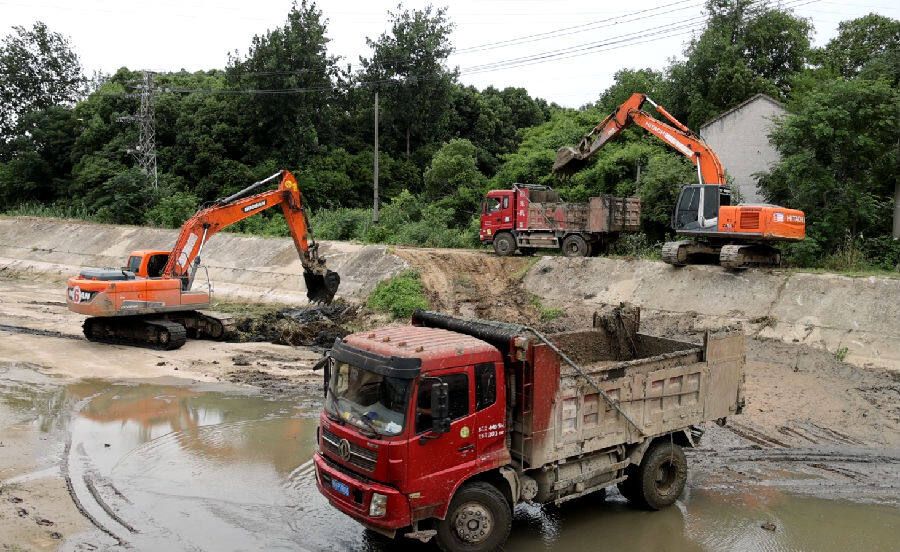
583	28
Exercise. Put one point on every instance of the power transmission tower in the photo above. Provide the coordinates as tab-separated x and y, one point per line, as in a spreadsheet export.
144	152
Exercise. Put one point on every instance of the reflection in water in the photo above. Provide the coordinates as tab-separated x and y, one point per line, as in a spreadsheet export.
195	469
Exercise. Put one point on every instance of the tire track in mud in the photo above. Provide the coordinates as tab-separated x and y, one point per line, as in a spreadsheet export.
67	469
34	331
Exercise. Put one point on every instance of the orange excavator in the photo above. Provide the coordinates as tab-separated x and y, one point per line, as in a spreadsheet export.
740	236
150	302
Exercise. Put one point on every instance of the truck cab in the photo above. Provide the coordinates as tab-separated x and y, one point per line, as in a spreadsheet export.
498	213
408	412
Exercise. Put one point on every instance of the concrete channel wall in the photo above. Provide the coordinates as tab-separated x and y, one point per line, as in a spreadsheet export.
265	269
826	311
822	310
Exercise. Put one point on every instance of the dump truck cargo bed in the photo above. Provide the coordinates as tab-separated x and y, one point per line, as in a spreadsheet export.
662	385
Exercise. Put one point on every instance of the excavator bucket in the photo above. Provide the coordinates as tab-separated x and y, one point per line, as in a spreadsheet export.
568	161
319	288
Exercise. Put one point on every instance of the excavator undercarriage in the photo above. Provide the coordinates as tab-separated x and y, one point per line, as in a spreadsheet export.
164	331
729	255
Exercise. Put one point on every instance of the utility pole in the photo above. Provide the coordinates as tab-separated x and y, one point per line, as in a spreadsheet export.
144	152
375	193
637	182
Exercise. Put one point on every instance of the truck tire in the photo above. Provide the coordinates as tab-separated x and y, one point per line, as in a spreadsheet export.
662	475
479	520
504	244
575	246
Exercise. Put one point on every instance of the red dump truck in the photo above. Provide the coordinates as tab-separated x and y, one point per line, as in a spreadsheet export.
438	429
531	217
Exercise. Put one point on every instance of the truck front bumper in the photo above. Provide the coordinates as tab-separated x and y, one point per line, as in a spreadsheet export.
359	497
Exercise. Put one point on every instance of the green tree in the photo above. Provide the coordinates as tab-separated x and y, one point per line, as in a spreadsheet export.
454	182
38	70
746	48
628	81
39	166
859	42
839	161
288	126
408	67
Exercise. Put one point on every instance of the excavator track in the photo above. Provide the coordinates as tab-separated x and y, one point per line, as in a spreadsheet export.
212	325
738	256
673	252
155	333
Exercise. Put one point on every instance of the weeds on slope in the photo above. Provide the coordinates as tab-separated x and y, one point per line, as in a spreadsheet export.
400	295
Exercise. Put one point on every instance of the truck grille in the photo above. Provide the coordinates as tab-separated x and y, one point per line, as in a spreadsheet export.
359	456
749	220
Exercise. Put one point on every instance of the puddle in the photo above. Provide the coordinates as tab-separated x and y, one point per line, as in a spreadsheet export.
213	467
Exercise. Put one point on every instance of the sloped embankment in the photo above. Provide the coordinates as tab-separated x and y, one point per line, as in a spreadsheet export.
854	318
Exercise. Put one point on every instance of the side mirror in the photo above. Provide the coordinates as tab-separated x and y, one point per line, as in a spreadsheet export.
440	407
326	376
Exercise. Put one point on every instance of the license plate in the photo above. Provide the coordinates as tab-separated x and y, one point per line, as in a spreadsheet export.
342	488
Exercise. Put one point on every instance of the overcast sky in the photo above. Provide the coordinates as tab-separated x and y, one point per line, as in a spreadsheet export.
167	35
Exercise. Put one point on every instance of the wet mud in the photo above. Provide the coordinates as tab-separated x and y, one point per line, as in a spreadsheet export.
174	465
316	326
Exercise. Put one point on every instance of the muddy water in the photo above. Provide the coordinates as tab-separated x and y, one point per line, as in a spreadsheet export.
180	467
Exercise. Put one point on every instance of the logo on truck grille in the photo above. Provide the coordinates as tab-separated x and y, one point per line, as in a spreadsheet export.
344	449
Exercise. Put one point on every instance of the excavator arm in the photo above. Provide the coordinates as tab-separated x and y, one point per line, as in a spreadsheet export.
570	160
321	283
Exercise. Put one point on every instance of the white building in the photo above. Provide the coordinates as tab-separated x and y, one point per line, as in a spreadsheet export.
740	136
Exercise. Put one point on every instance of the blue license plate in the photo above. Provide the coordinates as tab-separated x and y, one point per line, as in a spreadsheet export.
342	488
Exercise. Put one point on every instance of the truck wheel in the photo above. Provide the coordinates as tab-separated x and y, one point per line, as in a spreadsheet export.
504	244
662	475
479	519
574	246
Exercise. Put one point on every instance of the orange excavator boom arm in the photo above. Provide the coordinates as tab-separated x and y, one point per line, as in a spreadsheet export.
196	232
569	160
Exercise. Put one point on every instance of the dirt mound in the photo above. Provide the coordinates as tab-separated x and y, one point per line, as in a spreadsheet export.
473	284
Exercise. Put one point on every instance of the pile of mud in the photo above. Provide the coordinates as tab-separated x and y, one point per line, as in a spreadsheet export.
316	326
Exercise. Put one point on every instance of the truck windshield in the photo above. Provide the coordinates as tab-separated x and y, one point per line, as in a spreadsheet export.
368	400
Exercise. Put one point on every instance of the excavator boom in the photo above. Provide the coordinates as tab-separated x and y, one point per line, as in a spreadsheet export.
570	160
321	284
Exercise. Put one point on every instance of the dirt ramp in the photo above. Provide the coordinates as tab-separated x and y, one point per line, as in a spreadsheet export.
474	284
855	318
253	268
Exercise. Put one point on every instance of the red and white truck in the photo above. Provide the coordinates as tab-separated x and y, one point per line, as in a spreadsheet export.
531	217
438	429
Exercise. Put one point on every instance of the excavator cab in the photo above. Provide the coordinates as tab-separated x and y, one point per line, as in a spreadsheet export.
687	209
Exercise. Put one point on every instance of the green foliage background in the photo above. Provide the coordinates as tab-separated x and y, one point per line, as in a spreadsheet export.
444	144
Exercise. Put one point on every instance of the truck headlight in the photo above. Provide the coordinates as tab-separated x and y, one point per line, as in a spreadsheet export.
378	506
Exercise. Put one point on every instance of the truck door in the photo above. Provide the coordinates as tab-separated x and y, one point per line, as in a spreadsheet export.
490	412
437	462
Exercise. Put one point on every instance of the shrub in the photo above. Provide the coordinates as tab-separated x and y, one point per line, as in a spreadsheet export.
400	295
